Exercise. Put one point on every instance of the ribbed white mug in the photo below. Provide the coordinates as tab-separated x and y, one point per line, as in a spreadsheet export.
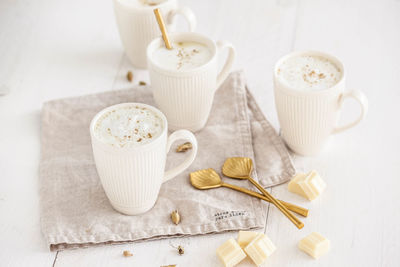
132	176
309	118
137	25
186	96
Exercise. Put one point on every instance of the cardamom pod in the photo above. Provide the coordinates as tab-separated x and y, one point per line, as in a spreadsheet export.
184	147
175	217
129	76
181	251
127	254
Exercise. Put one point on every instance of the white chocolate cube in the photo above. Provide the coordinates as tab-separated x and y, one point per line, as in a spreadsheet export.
230	253
315	245
294	186
308	185
260	248
245	237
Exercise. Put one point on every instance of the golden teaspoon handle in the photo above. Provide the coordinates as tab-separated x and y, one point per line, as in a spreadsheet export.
299	210
292	207
163	29
282	208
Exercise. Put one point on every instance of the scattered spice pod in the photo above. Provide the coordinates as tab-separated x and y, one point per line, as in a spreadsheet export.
129	76
127	253
175	217
181	251
142	83
171	265
184	147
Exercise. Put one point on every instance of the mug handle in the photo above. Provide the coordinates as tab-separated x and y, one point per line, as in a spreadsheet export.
187	13
362	100
177	135
228	63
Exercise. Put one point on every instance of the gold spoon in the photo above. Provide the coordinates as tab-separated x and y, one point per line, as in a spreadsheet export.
241	168
209	178
163	30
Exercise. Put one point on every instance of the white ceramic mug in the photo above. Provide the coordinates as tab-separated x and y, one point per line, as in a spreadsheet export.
132	176
309	118
137	25
186	96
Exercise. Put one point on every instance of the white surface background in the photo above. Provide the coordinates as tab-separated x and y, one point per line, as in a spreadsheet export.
52	49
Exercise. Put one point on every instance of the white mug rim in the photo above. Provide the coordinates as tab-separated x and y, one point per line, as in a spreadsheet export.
187	36
332	58
145	8
128	148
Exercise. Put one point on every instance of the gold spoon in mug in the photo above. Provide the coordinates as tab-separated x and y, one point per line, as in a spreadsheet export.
241	168
163	29
209	178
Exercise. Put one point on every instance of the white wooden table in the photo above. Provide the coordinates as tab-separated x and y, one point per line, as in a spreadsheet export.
52	49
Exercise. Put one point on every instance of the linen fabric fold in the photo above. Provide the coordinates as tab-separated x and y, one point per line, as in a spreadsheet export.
75	211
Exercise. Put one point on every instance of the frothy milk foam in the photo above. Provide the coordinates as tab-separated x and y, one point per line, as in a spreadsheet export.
309	72
183	56
128	126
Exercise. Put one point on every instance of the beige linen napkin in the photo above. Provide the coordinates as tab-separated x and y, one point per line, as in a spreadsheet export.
75	211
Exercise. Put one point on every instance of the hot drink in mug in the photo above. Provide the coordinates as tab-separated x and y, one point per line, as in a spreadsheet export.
309	92
130	145
137	25
185	78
